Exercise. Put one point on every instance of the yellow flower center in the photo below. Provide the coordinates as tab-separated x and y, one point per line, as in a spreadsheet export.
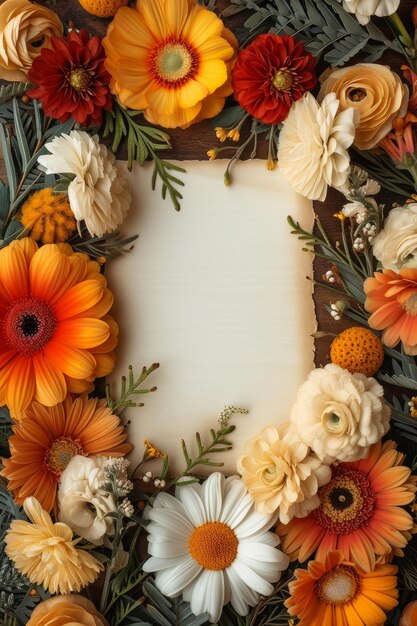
357	94
60	454
79	79
282	80
213	545
410	305
173	62
339	586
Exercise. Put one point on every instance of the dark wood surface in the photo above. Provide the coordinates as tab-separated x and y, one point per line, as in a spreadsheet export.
194	142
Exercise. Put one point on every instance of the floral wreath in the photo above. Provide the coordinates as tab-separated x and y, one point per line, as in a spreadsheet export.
318	526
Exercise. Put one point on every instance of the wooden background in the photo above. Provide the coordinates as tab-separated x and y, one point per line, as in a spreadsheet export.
194	142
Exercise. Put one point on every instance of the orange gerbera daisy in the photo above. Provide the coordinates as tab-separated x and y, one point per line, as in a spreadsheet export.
391	297
337	593
55	334
360	512
46	440
171	60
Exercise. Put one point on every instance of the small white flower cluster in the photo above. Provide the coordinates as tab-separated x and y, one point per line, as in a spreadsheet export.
158	482
369	231
359	244
330	277
336	309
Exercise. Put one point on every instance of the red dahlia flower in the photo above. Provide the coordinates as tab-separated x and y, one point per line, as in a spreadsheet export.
270	74
71	80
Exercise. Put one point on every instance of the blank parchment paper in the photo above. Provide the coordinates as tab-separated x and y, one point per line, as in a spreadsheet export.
217	294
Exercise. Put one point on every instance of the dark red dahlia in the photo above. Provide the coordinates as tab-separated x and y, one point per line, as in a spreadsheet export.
71	80
270	74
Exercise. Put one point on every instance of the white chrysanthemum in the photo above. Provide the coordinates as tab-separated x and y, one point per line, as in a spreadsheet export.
339	414
282	474
365	9
210	545
313	145
99	193
83	504
396	244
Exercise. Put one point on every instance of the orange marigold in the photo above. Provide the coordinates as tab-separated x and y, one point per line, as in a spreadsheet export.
103	8
357	350
48	217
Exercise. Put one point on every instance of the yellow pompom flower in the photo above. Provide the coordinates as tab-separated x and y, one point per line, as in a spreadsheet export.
171	60
46	552
357	350
48	217
103	8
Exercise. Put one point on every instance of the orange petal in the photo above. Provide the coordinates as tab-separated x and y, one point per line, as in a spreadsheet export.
84	332
14	282
71	361
51	387
20	385
78	299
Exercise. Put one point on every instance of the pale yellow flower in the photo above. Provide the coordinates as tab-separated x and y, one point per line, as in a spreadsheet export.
46	552
281	474
375	92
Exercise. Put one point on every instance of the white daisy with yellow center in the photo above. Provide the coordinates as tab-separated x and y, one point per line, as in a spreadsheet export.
209	544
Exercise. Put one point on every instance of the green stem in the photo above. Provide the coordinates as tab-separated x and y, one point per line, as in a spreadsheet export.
403	36
110	565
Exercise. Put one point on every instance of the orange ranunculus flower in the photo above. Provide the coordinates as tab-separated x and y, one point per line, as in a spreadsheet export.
47	438
68	609
55	332
171	60
360	512
25	28
391	297
333	592
409	615
377	93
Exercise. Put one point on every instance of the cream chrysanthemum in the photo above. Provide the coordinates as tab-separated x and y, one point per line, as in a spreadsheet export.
313	145
46	552
365	9
99	193
210	545
282	474
339	414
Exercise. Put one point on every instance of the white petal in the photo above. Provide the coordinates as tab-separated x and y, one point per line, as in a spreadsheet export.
208	594
240	594
155	564
212	495
193	505
251	578
259	551
171	519
168	549
253	524
172	581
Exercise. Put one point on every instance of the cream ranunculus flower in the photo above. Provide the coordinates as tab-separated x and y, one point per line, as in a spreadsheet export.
281	474
313	145
364	9
339	414
99	193
83	504
395	246
376	92
66	610
47	553
25	29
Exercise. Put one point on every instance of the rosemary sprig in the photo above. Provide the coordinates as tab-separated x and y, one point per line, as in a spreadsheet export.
130	387
143	143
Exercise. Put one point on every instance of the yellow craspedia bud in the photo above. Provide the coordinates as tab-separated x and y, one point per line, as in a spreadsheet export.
103	8
48	217
357	350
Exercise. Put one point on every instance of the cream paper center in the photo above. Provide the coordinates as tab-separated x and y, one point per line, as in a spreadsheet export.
218	295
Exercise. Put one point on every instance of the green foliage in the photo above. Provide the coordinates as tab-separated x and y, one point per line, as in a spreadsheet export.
23	133
381	167
324	27
108	246
12	90
143	143
5	431
130	387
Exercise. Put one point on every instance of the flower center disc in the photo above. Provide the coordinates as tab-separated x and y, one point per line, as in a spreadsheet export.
347	501
60	454
338	586
282	80
213	545
79	79
357	94
29	325
173	62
